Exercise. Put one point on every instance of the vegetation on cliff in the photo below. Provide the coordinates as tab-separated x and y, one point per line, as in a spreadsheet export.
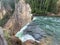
42	6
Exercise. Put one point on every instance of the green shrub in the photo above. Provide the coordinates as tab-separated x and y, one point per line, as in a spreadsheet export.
42	6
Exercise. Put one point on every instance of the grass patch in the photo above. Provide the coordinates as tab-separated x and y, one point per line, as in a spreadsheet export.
7	36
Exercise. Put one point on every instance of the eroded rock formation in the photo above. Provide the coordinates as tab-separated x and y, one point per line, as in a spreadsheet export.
21	16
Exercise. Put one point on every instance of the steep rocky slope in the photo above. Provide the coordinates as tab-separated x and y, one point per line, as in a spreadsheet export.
21	16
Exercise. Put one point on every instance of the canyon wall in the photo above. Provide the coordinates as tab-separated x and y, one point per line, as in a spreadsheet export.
21	16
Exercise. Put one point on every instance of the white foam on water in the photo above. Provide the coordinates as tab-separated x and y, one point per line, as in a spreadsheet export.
27	37
34	18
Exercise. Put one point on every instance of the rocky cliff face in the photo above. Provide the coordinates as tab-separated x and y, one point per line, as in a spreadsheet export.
5	8
21	16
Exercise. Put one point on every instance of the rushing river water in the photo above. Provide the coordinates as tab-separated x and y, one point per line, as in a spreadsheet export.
42	27
51	26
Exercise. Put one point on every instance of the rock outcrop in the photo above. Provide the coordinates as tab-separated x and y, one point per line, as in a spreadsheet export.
21	16
4	9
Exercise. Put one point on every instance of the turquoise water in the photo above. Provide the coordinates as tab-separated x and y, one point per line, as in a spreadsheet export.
51	25
45	26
